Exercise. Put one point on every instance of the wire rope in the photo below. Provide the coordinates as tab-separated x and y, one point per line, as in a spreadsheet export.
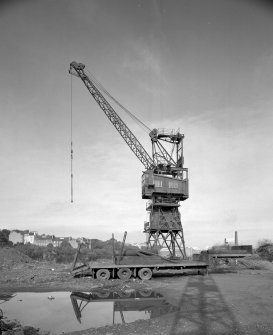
103	89
71	139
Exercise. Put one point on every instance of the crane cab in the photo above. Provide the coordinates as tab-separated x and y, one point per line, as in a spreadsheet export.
159	184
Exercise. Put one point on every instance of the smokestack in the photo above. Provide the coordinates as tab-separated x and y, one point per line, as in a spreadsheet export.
236	238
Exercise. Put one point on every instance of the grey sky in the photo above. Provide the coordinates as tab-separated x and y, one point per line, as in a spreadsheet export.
204	66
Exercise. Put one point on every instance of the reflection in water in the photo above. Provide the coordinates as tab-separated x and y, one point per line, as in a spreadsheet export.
95	309
128	306
36	309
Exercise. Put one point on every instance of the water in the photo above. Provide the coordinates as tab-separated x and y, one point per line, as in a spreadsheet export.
59	312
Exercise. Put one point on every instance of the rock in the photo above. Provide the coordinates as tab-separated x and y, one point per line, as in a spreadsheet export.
28	330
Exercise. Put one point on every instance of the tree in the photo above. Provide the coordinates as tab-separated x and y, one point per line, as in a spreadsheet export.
265	249
264	241
50	247
65	253
4	237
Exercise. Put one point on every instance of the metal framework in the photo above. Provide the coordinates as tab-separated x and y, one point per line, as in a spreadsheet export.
165	180
164	228
173	240
78	70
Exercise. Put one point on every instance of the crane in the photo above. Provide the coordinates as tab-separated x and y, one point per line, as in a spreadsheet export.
164	181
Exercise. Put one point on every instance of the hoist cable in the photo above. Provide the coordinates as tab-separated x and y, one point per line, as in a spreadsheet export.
71	137
103	89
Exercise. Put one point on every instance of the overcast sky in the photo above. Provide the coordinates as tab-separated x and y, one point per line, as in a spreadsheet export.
204	66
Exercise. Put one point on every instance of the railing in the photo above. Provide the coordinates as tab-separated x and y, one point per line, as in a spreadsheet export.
164	131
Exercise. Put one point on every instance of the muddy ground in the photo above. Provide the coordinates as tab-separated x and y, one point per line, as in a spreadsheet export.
232	299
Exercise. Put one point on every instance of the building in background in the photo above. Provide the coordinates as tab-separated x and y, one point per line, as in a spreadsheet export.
73	242
85	241
32	237
29	238
16	236
43	241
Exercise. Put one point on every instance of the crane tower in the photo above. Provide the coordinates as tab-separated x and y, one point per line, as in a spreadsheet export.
164	181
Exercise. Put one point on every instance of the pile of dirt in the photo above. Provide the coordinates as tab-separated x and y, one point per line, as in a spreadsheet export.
9	258
255	263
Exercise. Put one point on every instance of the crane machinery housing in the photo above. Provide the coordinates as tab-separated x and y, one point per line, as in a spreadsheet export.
165	180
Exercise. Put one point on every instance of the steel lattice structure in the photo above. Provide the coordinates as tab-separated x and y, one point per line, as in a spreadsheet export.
114	118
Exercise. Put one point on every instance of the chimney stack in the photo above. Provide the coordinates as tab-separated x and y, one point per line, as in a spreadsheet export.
236	238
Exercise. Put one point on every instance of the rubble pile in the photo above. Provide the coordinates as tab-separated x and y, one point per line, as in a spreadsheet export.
33	274
19	270
10	257
13	327
255	263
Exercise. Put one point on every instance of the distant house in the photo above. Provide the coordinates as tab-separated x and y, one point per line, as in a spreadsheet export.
74	243
29	238
16	236
85	241
43	240
57	241
190	251
32	237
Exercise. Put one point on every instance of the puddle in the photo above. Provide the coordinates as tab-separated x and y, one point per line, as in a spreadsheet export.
35	309
59	312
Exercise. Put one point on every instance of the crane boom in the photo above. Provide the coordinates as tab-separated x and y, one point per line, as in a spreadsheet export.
137	148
